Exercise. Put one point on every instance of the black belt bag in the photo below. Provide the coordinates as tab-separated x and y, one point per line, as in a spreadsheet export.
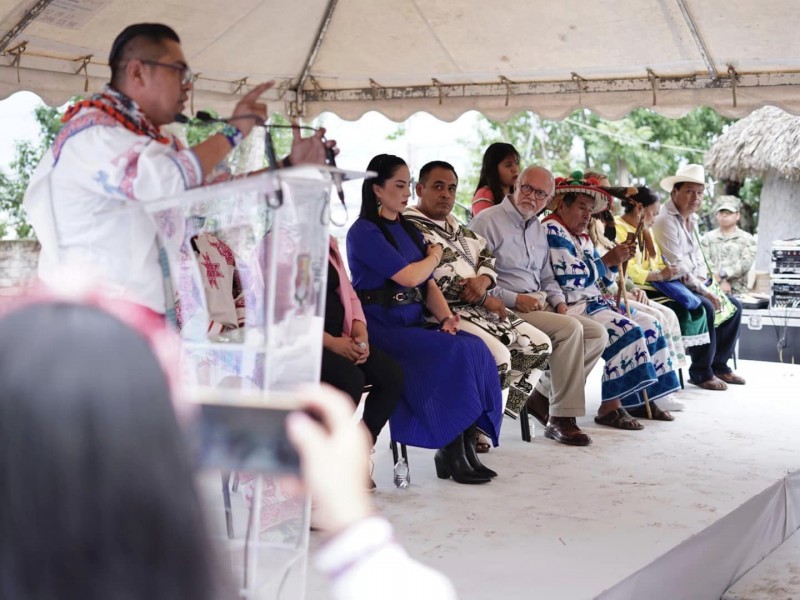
391	297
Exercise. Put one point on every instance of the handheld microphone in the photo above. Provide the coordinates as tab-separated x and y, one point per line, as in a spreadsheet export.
207	117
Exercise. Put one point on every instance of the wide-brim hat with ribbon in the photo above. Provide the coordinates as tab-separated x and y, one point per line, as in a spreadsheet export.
577	184
688	173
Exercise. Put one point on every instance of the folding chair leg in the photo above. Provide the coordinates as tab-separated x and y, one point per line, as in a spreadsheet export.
226	499
680	377
525	425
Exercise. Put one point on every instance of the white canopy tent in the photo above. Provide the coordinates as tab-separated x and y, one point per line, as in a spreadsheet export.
443	57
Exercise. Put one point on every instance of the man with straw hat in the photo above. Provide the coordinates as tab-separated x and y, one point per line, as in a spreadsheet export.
675	230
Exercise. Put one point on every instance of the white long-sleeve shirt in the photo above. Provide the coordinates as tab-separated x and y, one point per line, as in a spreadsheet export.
680	246
78	193
364	562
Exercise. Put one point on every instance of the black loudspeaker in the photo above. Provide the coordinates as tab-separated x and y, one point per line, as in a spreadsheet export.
770	335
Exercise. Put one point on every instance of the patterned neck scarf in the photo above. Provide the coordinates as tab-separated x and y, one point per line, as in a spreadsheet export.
123	109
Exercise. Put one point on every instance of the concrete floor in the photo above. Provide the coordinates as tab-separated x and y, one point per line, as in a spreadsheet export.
563	522
572	522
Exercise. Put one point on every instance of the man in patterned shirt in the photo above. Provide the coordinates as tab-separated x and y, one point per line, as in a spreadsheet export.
465	274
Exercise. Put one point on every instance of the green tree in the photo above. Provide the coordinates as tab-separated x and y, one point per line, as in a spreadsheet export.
640	149
13	221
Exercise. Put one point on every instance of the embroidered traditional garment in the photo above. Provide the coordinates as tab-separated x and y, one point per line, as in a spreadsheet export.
636	357
222	287
107	155
523	350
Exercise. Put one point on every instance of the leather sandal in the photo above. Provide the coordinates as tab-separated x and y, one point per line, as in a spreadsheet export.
715	384
619	419
640	412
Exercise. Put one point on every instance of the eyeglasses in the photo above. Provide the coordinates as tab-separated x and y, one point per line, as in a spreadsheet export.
528	190
186	73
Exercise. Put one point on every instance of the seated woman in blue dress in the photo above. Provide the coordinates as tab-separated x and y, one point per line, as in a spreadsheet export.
450	384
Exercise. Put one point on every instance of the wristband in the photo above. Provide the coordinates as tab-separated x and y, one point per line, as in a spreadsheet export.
232	133
446	319
482	301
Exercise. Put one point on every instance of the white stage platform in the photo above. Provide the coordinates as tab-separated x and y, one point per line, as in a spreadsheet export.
680	510
777	577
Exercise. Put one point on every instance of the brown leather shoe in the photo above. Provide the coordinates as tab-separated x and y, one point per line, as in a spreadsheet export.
731	378
565	431
538	406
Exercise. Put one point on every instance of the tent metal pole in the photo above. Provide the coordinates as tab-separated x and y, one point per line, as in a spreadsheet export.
312	55
698	39
26	19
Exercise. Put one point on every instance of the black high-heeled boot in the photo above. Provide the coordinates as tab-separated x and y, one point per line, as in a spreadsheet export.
452	462
470	441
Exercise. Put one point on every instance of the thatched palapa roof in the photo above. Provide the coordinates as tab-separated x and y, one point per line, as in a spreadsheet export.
768	138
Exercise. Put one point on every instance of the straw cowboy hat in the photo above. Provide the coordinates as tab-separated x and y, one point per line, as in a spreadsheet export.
688	173
576	184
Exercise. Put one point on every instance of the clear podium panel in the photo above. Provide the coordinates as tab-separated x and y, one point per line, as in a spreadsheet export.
260	533
247	265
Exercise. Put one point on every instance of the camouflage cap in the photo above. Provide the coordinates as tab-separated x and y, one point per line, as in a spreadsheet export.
730	203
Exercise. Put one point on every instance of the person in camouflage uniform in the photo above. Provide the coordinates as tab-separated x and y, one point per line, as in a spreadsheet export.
729	250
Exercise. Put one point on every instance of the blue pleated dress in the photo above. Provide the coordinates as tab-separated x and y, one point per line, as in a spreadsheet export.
449	381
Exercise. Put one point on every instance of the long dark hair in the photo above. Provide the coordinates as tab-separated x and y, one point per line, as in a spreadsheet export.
494	155
96	487
385	165
644	196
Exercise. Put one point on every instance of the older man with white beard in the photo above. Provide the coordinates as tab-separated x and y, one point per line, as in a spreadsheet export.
526	284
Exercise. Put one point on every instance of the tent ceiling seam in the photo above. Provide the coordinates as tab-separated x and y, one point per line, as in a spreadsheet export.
439	43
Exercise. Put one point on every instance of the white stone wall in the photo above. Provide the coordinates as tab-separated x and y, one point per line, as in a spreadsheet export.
17	261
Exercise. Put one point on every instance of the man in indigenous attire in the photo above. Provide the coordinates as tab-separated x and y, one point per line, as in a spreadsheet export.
465	274
112	150
605	231
526	284
636	356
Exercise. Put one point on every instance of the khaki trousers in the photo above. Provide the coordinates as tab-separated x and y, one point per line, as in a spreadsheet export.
578	343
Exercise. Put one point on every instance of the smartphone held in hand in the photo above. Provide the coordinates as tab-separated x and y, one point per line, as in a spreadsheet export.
245	432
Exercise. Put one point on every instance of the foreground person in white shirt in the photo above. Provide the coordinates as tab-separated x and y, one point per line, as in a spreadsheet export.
96	483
